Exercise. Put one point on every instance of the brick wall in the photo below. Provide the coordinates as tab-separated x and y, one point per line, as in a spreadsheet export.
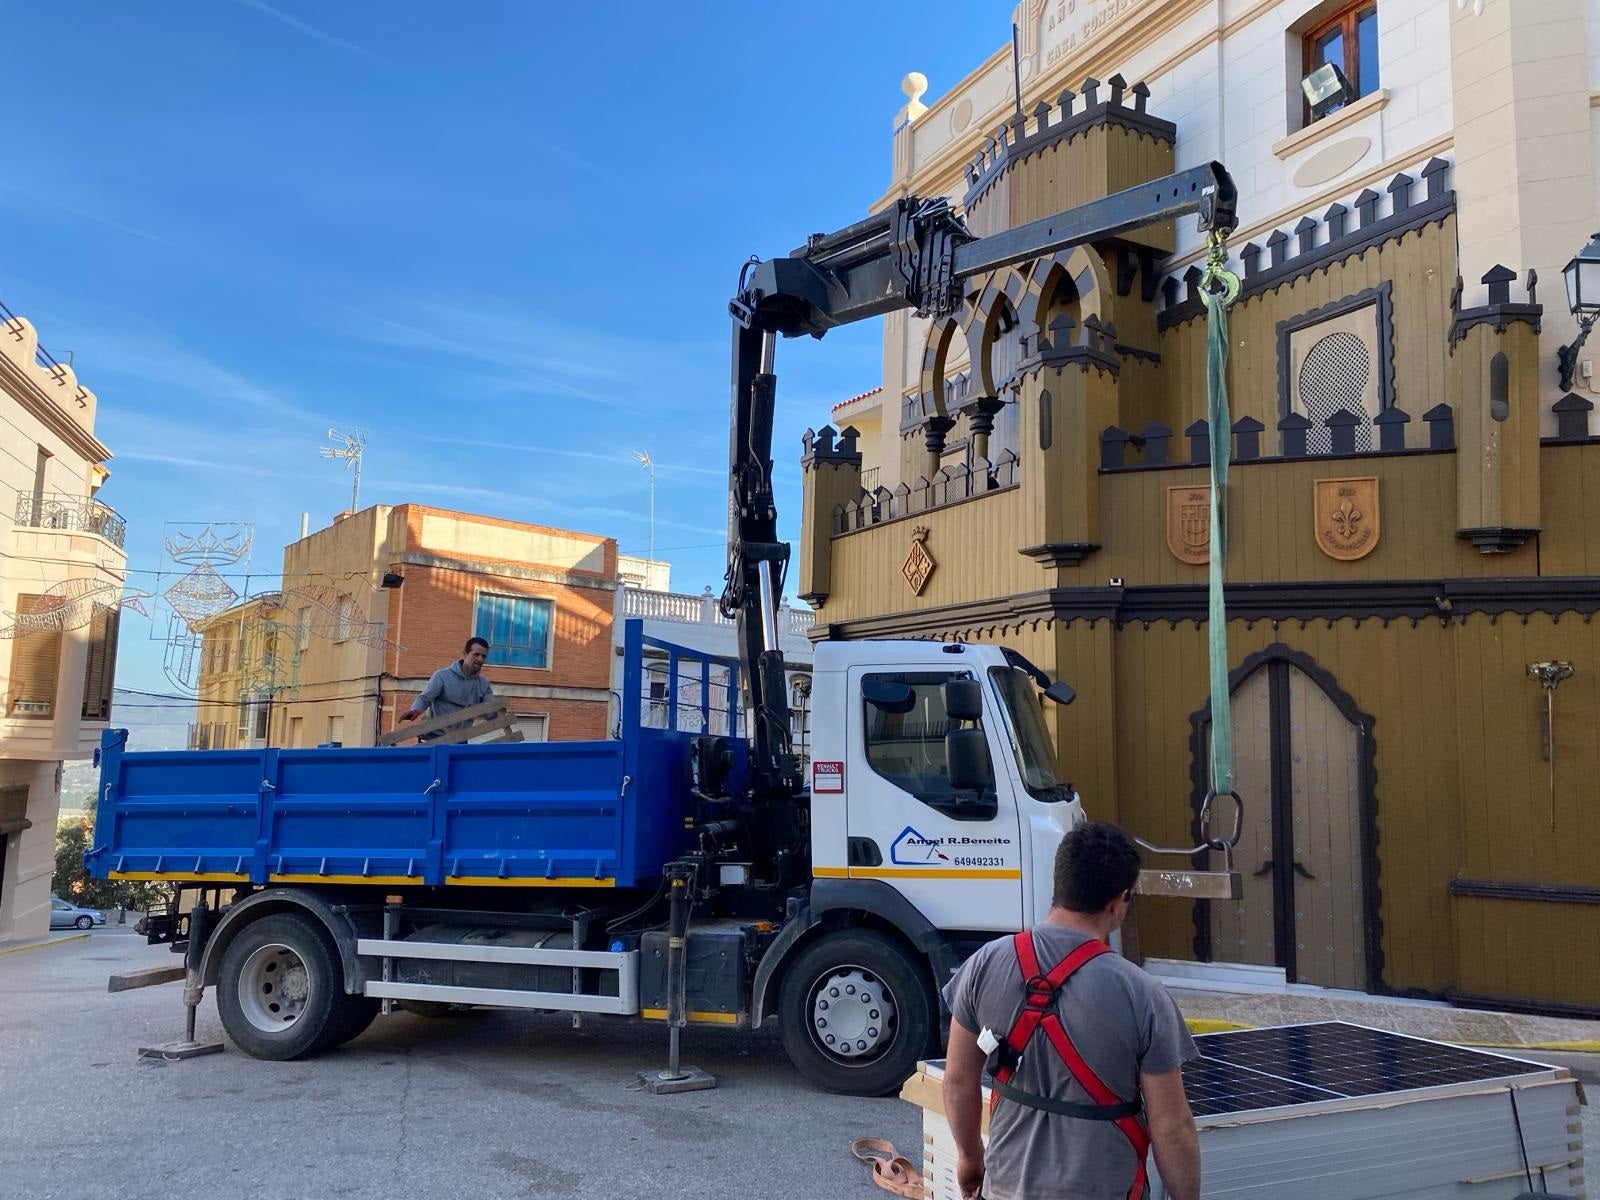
432	614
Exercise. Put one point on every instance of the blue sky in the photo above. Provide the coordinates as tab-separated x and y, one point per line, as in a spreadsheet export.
498	236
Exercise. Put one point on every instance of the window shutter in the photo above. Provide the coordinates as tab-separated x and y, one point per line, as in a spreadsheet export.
336	729
35	663
100	672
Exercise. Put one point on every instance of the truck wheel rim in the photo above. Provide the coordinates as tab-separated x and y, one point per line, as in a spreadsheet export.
274	987
852	1015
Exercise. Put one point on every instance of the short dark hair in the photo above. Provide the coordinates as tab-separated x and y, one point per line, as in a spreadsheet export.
475	641
1095	864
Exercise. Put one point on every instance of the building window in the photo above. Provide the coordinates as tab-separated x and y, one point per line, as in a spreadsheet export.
532	726
517	628
800	717
1336	359
35	663
296	731
345	625
1349	40
905	741
100	670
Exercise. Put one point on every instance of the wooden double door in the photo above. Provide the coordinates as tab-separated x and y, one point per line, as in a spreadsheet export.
1298	763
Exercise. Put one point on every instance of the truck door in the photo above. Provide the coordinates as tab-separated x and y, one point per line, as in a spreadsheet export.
953	852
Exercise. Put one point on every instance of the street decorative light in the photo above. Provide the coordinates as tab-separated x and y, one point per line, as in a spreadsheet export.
642	457
1582	276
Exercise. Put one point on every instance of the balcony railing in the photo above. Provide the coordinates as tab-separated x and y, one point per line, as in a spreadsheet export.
700	610
72	513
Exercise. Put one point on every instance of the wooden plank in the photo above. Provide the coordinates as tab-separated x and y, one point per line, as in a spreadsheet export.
436	724
456	737
144	977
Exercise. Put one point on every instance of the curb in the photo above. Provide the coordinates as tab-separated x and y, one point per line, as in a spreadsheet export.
42	943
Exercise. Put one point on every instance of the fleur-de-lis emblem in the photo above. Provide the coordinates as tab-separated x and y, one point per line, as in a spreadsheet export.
1345	518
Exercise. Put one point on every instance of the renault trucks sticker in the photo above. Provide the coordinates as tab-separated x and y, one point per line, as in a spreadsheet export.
827	777
914	849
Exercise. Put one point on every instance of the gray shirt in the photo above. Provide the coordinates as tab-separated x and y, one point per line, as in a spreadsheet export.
451	689
1122	1022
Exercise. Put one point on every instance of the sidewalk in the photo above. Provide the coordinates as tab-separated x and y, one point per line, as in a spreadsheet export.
18	945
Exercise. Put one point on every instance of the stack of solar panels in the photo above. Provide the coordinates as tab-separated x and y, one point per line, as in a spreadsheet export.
1333	1111
1341	1112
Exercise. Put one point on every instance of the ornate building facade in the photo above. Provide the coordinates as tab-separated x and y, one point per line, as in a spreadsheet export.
1413	564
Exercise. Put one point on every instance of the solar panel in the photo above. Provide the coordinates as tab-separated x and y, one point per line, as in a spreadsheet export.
1252	1069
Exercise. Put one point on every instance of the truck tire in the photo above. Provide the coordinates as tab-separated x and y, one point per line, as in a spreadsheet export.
354	1015
856	1010
280	987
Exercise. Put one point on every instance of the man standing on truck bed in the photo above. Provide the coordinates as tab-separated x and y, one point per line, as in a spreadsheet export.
460	685
1086	1050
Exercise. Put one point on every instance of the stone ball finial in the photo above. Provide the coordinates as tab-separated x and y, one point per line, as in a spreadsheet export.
913	85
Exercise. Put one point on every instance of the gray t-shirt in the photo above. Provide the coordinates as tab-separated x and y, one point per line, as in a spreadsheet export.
451	689
1122	1022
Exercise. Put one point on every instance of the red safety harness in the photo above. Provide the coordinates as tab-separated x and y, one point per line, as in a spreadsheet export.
1039	1012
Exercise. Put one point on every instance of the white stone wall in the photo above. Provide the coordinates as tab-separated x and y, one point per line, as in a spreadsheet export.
30	855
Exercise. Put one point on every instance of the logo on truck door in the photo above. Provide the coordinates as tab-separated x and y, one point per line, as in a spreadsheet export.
914	849
827	777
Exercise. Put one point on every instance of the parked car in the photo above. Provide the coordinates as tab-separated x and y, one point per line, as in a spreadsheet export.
72	916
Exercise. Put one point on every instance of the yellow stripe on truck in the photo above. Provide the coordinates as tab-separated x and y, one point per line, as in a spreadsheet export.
701	1018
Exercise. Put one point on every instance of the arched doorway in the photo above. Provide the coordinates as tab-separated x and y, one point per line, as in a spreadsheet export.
1302	759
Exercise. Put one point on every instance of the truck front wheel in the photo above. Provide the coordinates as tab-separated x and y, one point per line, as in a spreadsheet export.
857	1011
279	988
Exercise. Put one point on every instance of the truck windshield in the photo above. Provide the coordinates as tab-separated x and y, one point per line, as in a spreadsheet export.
1030	742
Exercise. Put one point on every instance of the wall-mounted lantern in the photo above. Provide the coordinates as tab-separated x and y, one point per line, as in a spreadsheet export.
1582	276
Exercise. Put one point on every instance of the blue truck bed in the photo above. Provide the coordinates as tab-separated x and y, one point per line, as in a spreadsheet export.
530	814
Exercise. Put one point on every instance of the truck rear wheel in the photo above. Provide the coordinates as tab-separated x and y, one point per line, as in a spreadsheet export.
280	988
856	1010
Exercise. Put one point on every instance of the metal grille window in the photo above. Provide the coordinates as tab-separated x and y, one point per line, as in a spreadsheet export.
1337	361
1333	379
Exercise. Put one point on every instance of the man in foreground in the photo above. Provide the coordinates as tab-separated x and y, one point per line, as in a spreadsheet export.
457	686
1086	1049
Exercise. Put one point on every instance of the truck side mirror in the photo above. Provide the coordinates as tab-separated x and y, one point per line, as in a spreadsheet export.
966	756
889	697
1060	692
963	700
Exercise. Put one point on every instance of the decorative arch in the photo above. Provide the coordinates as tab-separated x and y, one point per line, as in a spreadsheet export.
935	353
985	317
1368	807
1082	268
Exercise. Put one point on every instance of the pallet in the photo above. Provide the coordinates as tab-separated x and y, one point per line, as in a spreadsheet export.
488	717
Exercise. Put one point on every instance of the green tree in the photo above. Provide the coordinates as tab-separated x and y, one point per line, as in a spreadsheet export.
73	882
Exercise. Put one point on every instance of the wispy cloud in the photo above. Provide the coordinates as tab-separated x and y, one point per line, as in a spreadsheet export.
181	371
543	504
619	459
40	199
231	466
309	30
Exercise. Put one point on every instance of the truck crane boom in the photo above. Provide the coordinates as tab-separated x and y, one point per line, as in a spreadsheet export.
914	254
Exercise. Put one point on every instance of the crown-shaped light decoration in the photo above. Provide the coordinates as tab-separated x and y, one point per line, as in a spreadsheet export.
210	544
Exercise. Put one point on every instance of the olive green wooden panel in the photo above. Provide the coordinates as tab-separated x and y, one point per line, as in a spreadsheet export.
1242	930
1325	806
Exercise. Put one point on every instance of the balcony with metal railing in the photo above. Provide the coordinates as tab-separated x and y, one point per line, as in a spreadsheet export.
700	610
71	514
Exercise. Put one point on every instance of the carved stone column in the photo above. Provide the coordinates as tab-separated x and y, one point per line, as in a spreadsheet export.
980	420
934	432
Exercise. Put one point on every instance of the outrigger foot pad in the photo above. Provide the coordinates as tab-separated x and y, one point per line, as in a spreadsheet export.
685	1079
177	1050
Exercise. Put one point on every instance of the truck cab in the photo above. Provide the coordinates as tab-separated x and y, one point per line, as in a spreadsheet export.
933	772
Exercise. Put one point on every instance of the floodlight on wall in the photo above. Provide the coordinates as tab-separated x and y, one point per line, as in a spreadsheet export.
1582	277
1326	88
391	580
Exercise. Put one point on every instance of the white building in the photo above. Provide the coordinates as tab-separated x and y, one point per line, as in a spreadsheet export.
62	565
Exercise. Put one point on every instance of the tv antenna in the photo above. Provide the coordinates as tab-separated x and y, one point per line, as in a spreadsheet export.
350	448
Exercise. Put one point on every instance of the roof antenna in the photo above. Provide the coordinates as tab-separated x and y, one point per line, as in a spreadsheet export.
1016	68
